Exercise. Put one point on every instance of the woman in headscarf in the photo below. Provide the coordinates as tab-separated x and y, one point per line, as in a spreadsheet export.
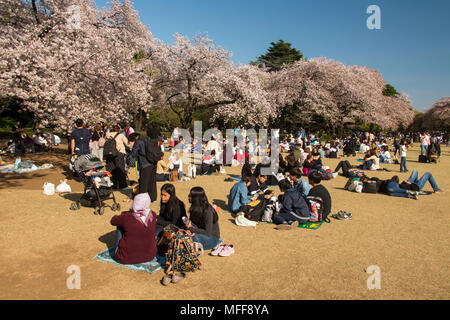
136	232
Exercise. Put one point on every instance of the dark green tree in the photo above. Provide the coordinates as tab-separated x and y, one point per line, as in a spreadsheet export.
278	54
389	91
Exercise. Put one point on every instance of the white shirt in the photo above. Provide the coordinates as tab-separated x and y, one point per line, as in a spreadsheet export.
403	151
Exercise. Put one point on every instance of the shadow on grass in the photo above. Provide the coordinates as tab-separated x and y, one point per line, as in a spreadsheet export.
9	180
221	204
109	239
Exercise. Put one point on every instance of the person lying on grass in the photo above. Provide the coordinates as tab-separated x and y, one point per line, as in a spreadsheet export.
415	184
393	189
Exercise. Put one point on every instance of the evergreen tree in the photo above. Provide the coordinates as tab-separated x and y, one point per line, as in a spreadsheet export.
277	55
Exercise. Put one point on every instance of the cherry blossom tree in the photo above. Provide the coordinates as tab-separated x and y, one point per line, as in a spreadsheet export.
195	75
438	116
338	93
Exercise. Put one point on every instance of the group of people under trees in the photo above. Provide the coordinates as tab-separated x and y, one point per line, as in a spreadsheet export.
140	229
22	142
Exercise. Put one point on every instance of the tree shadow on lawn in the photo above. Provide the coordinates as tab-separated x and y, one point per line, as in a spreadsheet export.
9	180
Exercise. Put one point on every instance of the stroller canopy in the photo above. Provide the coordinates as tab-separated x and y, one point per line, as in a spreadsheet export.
86	162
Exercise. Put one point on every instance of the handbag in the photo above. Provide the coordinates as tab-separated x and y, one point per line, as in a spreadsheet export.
168	233
182	255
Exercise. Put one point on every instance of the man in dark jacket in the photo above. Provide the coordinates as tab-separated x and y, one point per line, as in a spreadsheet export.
294	209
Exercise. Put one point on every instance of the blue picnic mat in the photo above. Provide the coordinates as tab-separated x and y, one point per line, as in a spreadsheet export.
150	267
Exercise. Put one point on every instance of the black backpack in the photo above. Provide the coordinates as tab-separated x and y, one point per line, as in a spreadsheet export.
369	187
110	148
254	213
152	152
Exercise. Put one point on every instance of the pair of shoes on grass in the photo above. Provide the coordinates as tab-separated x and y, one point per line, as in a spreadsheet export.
223	250
175	278
286	226
342	215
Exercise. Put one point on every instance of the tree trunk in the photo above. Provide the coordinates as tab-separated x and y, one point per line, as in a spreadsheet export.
138	120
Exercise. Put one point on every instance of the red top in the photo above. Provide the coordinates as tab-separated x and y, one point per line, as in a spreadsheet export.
138	242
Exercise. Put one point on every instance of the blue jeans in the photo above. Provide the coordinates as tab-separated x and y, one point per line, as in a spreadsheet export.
422	148
118	237
394	189
208	242
158	231
403	164
423	180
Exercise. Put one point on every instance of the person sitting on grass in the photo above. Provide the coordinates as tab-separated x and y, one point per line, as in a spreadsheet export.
258	183
294	210
136	232
172	209
203	222
162	170
318	190
209	164
385	155
295	175
291	163
374	163
239	195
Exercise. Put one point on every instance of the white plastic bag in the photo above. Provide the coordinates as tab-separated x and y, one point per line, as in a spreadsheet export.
49	189
63	187
242	221
354	185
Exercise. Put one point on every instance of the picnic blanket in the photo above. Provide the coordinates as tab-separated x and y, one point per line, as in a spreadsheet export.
150	267
11	169
308	225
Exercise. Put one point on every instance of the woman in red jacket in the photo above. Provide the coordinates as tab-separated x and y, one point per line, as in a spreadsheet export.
136	232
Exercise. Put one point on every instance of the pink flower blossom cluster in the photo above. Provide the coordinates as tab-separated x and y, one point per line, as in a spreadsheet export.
110	68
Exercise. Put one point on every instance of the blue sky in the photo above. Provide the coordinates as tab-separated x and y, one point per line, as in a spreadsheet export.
411	50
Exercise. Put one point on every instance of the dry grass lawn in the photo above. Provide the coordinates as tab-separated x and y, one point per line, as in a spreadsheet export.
407	239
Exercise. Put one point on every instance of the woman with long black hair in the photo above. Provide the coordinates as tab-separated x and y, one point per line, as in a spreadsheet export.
204	220
172	209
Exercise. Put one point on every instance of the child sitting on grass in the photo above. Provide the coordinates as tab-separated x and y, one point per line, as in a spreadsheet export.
294	210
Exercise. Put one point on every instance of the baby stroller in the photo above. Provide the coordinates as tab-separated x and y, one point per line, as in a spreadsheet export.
96	181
